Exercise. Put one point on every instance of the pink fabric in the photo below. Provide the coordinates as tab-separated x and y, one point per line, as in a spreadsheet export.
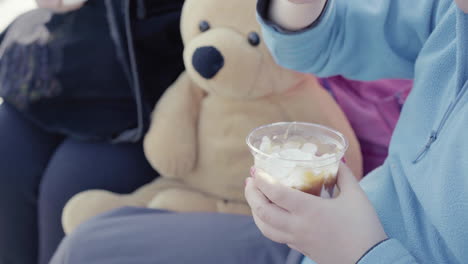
373	109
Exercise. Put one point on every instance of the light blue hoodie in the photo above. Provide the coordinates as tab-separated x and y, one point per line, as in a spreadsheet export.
421	192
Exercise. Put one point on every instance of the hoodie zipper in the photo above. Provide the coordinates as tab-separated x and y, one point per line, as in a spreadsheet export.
435	133
461	84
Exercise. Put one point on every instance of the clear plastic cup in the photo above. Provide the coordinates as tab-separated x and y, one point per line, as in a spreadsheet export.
286	160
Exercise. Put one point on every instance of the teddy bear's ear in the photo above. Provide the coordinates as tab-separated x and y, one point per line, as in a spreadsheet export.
195	19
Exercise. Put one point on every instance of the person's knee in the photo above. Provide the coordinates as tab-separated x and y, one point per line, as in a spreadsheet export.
50	205
25	152
19	186
59	184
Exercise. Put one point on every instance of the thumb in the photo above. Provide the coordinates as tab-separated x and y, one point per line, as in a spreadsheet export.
346	179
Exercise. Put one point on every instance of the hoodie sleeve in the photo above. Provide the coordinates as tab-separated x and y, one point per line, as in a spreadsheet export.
359	39
390	251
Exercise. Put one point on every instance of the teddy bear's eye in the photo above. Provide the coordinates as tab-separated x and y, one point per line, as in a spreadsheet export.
254	39
204	26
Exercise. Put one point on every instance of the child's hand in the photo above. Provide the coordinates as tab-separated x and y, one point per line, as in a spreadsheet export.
295	14
61	6
336	230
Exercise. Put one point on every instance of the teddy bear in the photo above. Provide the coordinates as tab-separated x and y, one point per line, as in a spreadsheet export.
196	140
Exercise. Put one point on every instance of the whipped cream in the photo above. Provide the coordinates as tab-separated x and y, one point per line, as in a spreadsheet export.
298	164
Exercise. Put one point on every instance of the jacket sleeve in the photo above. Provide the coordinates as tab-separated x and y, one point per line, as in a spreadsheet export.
387	252
359	39
390	251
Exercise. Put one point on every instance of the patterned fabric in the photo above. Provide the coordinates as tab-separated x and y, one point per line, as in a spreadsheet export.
94	73
28	63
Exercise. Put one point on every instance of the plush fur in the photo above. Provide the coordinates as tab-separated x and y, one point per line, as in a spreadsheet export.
197	137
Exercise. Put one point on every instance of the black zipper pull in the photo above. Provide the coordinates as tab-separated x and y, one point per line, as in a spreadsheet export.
426	148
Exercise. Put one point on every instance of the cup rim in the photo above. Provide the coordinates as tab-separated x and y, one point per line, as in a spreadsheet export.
340	155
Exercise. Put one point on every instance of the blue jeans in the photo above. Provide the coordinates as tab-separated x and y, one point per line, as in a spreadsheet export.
40	172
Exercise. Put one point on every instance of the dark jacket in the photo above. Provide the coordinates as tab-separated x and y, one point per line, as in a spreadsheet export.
95	73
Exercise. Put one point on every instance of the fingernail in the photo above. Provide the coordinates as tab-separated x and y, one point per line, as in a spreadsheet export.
344	160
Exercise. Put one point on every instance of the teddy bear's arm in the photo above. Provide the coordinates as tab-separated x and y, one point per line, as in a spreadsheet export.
171	142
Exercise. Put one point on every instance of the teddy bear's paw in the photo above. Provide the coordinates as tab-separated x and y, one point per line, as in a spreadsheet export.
182	200
175	162
86	205
175	169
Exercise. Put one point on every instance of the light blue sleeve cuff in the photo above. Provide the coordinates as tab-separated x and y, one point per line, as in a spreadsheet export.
388	252
292	49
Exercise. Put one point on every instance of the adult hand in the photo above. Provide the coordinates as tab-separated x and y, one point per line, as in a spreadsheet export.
338	230
61	6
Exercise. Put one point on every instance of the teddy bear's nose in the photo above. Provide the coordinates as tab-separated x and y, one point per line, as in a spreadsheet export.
207	61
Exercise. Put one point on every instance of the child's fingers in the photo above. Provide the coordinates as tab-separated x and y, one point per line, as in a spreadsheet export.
346	180
267	212
287	198
271	232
